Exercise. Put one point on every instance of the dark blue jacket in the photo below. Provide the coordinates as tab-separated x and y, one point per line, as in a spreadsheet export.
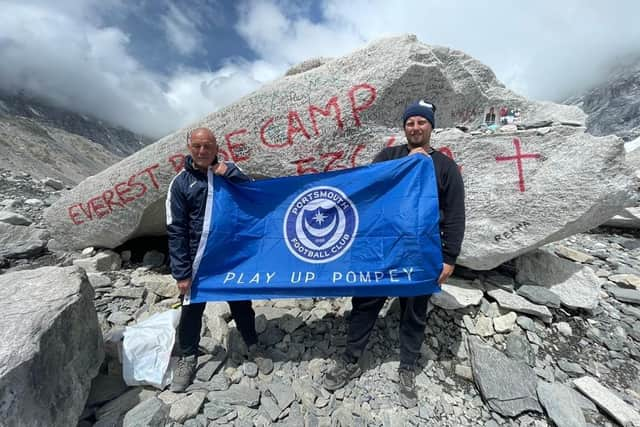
185	206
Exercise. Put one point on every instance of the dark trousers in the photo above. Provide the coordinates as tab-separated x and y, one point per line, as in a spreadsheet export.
413	320
191	324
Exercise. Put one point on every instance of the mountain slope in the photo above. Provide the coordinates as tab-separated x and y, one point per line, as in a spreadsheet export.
614	106
47	141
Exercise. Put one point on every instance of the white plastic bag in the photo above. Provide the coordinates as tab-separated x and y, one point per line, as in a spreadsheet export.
146	350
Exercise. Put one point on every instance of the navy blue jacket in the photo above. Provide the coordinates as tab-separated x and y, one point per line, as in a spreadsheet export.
450	198
185	206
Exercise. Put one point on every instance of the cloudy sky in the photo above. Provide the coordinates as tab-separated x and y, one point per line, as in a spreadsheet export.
154	66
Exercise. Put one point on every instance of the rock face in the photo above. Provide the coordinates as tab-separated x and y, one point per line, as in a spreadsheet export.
51	346
524	188
614	107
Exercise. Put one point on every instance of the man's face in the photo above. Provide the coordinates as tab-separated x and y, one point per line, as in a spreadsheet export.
203	148
417	129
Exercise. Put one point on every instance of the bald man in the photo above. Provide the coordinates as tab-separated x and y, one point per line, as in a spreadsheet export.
185	207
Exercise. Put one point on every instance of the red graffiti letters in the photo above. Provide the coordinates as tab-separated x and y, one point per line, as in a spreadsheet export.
356	109
333	103
236	148
295	125
122	193
177	162
331	161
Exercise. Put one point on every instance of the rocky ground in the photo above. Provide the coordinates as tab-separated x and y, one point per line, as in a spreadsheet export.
497	350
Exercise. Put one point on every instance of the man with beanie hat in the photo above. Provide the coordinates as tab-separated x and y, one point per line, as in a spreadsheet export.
418	121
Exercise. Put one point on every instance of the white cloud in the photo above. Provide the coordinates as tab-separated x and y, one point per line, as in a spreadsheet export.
181	30
545	49
85	68
65	52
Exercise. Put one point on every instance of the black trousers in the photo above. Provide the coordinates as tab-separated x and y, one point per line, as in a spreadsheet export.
413	320
191	324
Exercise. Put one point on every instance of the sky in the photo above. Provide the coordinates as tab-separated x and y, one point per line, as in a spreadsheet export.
154	66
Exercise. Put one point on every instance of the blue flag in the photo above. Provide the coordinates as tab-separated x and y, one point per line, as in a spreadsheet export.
366	231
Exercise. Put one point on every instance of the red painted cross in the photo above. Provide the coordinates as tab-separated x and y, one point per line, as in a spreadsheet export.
518	158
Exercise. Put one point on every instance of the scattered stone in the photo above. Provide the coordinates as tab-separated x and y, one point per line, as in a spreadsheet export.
526	323
508	386
34	202
112	412
53	183
283	393
570	367
518	348
457	294
18	241
216	409
484	327
88	252
464	372
187	407
500	281
153	259
505	323
559	402
626	280
539	295
150	413
626	295
103	261
609	402
576	285
515	302
236	395
572	254
250	369
206	372
119	318
13	218
564	328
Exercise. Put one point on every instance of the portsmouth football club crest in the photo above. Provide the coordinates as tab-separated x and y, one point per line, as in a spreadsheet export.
320	225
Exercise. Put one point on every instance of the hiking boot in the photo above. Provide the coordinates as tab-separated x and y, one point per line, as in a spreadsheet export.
259	356
341	374
407	387
183	373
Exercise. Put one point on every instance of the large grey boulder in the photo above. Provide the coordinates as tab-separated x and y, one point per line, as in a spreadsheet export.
51	346
524	188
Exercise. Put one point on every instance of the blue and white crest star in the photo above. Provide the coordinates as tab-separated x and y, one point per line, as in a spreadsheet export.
319	217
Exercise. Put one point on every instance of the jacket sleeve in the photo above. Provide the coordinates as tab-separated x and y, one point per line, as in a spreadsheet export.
235	174
453	210
178	230
380	157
